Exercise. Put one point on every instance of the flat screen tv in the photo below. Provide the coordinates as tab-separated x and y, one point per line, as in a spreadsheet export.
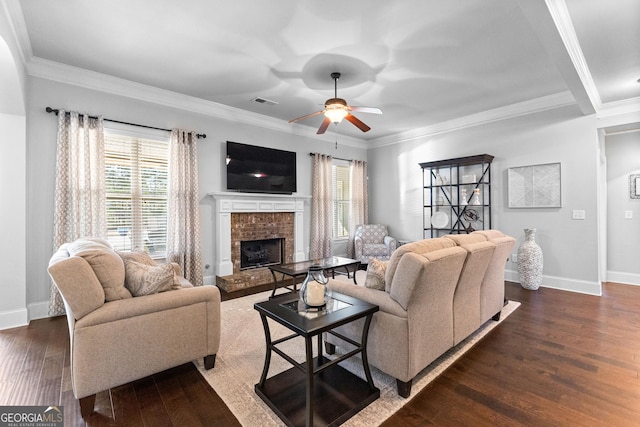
254	169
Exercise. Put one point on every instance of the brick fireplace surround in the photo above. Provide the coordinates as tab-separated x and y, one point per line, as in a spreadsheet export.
241	216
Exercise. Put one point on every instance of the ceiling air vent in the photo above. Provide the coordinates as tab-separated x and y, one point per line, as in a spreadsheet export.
261	100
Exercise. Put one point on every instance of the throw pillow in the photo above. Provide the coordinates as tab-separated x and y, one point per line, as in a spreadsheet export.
137	256
142	279
106	264
375	274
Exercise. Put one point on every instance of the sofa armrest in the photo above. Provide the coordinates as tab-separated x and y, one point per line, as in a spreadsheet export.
78	285
131	307
391	243
372	296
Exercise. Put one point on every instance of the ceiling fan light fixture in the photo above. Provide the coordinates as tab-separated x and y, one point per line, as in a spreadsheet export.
335	113
335	109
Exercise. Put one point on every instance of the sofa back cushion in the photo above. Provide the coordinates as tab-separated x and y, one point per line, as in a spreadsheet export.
433	269
420	247
106	264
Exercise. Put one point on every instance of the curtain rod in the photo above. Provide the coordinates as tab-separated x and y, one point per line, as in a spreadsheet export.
56	111
337	158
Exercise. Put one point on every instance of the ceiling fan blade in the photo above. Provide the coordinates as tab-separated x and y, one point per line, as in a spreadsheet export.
372	110
305	117
323	127
359	124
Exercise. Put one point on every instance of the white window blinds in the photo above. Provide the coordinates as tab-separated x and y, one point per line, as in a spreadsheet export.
341	199
136	181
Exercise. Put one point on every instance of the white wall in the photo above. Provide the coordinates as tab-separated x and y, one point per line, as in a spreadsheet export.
13	309
211	152
623	235
562	135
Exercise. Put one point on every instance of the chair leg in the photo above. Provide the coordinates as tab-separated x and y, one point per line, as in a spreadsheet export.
496	316
404	388
209	361
86	405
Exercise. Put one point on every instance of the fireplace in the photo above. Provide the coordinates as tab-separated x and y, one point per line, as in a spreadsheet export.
241	216
261	253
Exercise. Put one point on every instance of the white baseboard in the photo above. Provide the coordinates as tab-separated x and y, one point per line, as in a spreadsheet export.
561	283
13	318
624	278
38	310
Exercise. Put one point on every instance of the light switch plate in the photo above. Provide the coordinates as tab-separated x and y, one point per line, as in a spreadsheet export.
579	214
628	214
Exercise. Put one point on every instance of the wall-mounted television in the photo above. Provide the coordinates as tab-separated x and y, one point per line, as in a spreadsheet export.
254	169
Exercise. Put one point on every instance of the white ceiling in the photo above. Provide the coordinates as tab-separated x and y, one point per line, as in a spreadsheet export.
424	63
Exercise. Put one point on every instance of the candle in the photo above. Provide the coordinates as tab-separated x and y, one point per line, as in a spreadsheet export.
315	294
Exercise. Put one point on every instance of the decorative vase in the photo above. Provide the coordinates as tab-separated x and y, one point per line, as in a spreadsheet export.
476	197
314	287
530	261
463	197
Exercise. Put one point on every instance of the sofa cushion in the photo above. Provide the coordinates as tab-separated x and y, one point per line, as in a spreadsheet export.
137	256
144	279
419	247
144	258
105	262
375	274
375	250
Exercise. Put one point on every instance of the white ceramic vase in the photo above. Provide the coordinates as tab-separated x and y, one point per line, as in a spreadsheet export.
530	261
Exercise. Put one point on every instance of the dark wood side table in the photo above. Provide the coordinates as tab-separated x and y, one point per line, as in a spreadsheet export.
317	391
297	269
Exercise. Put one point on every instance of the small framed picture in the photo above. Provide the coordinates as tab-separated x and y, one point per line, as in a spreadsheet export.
634	186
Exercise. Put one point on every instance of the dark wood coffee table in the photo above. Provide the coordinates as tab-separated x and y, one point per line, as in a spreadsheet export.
317	391
297	269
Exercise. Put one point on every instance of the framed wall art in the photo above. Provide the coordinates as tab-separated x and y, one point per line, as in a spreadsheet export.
634	186
535	186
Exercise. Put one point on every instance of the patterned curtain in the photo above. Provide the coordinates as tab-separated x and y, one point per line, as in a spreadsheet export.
321	203
359	201
80	200
183	228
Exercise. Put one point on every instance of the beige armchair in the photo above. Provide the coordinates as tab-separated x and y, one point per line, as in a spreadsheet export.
373	241
117	338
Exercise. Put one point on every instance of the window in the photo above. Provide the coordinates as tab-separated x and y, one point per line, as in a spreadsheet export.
136	178
341	178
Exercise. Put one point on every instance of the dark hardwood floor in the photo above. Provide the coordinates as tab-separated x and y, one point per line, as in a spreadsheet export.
562	359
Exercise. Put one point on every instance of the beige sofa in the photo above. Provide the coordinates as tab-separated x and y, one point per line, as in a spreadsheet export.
437	292
117	338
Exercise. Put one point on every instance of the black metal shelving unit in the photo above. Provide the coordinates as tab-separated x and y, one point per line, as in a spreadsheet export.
457	195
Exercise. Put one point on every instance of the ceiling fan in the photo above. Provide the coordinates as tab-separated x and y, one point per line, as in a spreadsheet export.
336	109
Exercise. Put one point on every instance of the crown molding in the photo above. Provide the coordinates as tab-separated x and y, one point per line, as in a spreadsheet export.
62	73
549	102
18	27
617	115
618	108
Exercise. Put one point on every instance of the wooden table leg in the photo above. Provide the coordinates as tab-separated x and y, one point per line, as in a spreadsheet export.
267	356
309	390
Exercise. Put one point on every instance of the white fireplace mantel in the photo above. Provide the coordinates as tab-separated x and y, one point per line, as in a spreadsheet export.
229	202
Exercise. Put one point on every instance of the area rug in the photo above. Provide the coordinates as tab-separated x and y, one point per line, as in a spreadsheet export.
240	361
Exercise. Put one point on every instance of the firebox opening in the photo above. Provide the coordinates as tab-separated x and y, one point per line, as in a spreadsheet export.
261	253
